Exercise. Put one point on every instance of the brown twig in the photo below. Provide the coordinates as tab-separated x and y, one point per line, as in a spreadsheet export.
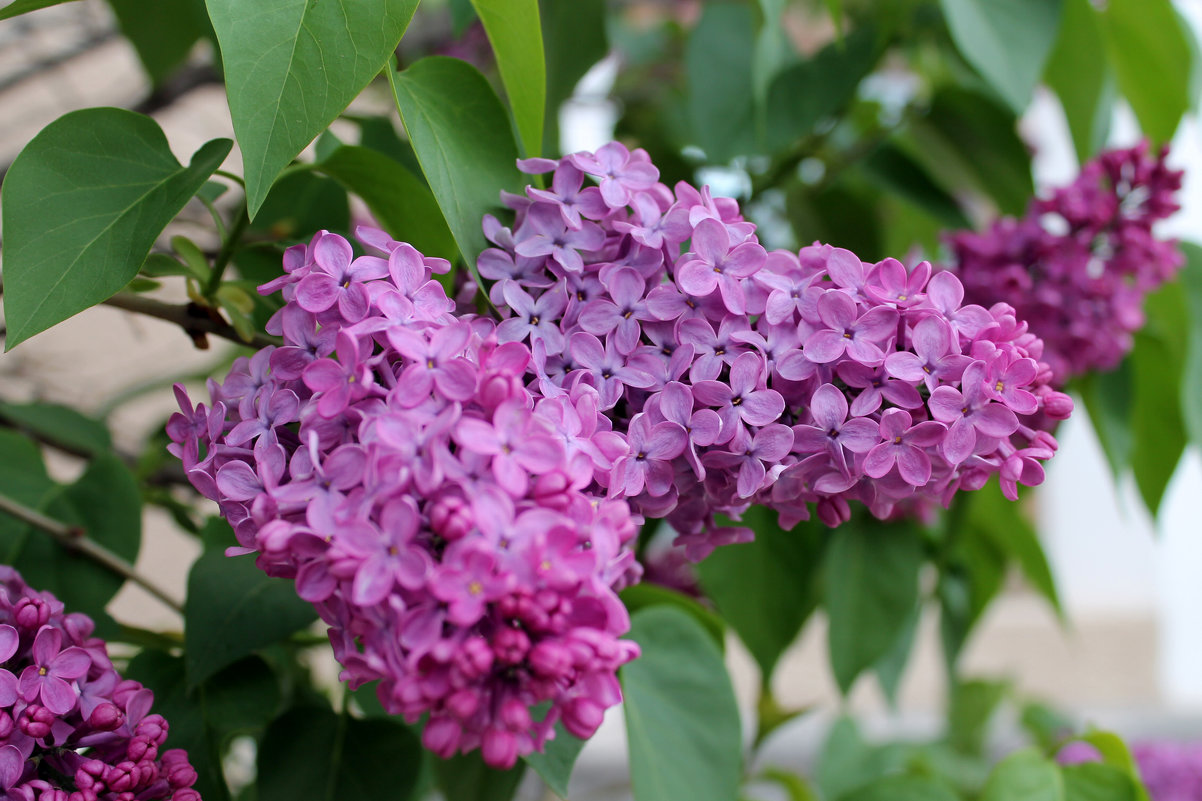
196	321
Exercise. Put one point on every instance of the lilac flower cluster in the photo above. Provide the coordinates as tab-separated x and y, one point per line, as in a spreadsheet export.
740	376
70	728
1076	267
390	458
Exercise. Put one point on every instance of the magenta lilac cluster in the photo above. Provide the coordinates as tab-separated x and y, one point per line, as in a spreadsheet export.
70	728
437	512
742	376
1077	266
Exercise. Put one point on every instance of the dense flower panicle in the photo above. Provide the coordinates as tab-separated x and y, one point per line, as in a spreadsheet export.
444	519
70	728
1077	265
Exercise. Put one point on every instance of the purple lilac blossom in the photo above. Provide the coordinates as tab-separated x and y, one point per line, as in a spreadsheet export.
1077	265
71	715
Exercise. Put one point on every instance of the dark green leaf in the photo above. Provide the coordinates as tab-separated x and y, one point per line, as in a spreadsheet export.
642	596
467	778
299	205
314	754
1108	398
292	66
1080	74
1151	59
1024	776
83	203
380	134
682	722
161	31
23	479
973	705
765	589
574	39
397	199
61	426
233	608
902	788
556	761
463	14
1094	782
105	501
894	170
971	577
871	586
1007	42
18	7
990	514
1191	380
516	36
891	667
717	63
462	138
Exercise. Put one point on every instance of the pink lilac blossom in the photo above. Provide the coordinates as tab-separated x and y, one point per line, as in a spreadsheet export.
1077	265
445	519
70	728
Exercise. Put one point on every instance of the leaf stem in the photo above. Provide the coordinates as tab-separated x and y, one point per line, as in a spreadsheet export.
74	538
241	221
195	321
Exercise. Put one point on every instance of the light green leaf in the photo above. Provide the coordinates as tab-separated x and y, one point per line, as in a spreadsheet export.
871	586
19	7
847	761
61	426
902	788
1116	754
1007	42
1080	74
515	33
462	139
973	704
797	788
82	205
161	31
717	63
574	37
970	578
766	588
292	66
1024	776
891	667
642	596
682	722
1090	781
992	515
1108	398
1191	380
1151	58
23	479
398	200
556	761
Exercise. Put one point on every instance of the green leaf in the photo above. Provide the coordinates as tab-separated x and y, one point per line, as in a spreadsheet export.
83	204
1094	782
642	596
61	426
1024	776
970	579
556	761
991	515
893	169
292	66
398	200
462	138
1157	361
300	204
1151	58
871	585
312	753
766	588
1108	398
847	762
797	788
23	479
465	777
1080	74
1007	42
106	503
18	7
1046	725
682	722
574	39
1191	379
463	14
1116	754
161	31
717	63
233	608
891	667
516	36
973	704
902	788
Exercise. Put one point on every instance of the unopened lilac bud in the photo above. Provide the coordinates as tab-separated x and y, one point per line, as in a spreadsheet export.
500	748
516	715
463	703
35	721
451	518
550	659
105	717
510	645
581	717
6	725
31	613
441	736
1058	405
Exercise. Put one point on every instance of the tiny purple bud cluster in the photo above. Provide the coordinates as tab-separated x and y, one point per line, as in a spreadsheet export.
70	728
1077	266
740	376
436	512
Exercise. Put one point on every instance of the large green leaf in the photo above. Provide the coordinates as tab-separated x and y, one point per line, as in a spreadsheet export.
1151	59
847	762
233	608
1024	776
106	503
871	586
717	63
314	754
1090	781
516	36
682	723
18	7
894	169
161	31
1191	380
902	788
83	204
971	577
400	202
61	425
556	761
991	515
1080	74
23	479
574	38
462	138
766	588
466	777
1108	398
1007	42
973	704
299	204
292	66
641	596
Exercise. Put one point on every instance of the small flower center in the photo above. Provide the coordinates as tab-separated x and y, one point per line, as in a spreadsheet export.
999	386
475	588
42	671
